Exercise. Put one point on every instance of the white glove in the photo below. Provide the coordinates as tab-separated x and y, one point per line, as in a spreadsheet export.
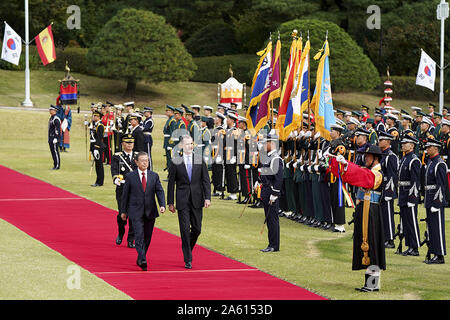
300	134
301	169
340	158
309	169
96	154
433	209
218	159
117	182
272	199
316	135
295	164
287	164
308	134
410	205
233	160
327	153
388	198
247	166
316	168
169	148
256	185
55	140
319	153
86	123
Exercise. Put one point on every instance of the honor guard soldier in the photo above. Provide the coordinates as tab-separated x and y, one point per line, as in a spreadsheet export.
370	126
379	124
243	160
147	130
196	116
193	128
337	147
408	195
437	118
129	108
122	163
218	165
368	236
97	147
119	128
271	180
207	112
445	141
230	155
436	188
54	136
169	128
205	140
108	123
389	167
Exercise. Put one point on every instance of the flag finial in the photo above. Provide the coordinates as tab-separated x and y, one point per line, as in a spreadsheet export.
294	33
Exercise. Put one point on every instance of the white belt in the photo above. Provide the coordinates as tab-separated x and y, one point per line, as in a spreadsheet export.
430	187
404	183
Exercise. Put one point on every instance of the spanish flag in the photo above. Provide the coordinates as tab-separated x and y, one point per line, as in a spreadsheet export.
46	46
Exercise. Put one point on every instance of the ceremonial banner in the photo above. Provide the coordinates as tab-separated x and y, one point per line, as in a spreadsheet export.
426	75
68	93
231	91
299	96
12	46
46	46
291	70
322	102
256	116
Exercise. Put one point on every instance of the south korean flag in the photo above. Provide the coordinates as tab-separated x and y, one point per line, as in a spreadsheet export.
12	46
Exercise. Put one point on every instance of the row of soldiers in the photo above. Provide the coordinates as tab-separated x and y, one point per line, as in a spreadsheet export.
108	127
311	193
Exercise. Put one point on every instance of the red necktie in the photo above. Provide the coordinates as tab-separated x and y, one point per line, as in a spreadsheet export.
144	181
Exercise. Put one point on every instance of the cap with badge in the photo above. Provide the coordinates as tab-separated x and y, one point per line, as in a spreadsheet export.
129	104
128	138
363	107
382	135
416	108
445	122
195	106
426	120
354	121
96	113
119	106
208	108
242	119
189	111
391	116
409	139
339	111
362	132
433	143
178	110
220	115
337	127
148	109
232	115
169	107
52	107
437	114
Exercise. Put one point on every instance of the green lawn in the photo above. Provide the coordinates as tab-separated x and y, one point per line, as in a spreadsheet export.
314	259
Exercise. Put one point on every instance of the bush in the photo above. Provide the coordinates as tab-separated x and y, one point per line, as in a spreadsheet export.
216	39
405	87
350	68
215	69
76	58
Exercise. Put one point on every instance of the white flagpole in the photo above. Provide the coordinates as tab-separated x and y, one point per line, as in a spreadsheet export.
27	102
442	14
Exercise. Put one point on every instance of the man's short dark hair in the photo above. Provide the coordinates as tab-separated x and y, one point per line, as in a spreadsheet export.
140	154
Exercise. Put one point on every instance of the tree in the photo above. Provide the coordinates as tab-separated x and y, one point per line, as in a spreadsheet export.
138	45
350	68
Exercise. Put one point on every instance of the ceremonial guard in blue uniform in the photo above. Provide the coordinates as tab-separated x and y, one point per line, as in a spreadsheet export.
271	180
408	195
436	186
389	167
147	130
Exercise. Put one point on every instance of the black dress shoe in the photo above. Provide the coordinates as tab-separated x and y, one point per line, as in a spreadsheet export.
118	240
407	252
437	259
142	265
188	265
96	185
269	249
131	244
367	289
389	244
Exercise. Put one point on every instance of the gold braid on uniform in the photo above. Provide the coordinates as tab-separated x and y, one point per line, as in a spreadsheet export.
366	208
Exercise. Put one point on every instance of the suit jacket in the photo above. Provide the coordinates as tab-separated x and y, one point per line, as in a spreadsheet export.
136	203
197	190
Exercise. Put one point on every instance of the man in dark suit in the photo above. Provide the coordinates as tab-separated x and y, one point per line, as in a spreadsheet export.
191	177
138	202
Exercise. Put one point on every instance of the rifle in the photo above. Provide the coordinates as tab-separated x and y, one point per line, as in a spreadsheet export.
426	241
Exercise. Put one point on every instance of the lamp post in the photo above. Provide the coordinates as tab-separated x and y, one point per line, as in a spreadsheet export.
442	14
27	102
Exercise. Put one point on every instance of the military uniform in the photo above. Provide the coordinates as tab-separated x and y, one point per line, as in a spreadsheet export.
168	129
121	165
148	139
217	166
97	148
230	155
436	186
408	198
54	137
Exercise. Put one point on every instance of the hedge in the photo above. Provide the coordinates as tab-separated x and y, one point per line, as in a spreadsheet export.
215	69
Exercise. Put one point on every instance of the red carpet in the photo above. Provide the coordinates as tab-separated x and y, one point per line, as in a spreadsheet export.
84	232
